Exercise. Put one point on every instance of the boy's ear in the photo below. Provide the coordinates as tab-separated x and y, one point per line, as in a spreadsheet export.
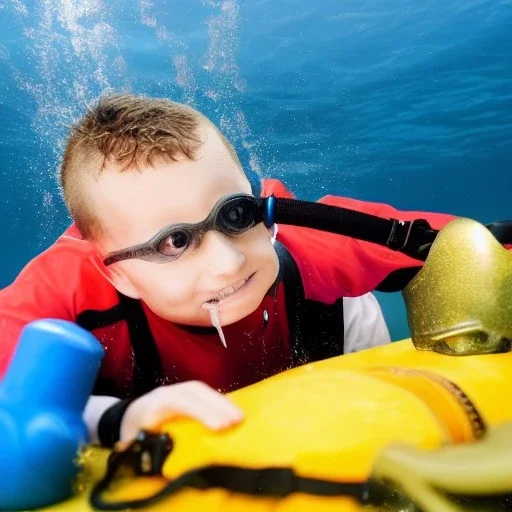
117	278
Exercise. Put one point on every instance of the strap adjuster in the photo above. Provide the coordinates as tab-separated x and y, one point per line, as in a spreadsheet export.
397	240
146	455
413	238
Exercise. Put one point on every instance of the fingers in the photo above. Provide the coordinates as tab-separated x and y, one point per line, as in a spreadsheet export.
193	399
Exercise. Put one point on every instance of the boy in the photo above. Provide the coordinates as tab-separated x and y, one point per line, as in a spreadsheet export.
164	244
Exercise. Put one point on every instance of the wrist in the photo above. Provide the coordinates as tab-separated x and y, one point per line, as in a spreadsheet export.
109	426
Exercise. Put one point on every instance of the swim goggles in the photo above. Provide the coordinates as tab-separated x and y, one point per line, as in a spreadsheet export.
232	215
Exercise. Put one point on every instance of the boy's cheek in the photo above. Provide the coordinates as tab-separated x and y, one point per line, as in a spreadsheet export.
156	286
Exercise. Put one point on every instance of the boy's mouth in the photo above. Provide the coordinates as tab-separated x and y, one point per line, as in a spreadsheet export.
226	292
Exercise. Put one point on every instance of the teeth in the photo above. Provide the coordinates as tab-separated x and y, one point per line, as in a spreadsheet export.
226	292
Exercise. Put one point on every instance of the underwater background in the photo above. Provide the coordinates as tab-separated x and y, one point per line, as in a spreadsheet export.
407	102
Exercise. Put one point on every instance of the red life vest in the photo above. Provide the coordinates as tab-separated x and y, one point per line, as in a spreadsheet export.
66	282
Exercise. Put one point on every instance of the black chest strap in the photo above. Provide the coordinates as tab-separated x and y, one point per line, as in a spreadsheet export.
147	369
316	329
147	366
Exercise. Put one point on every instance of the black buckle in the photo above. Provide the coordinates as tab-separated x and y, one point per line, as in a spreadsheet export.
146	455
413	238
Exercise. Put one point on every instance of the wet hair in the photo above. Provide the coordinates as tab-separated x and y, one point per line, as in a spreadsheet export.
131	132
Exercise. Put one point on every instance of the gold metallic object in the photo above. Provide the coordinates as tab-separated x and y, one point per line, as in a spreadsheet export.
460	303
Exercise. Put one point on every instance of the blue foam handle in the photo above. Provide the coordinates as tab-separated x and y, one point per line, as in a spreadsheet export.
42	399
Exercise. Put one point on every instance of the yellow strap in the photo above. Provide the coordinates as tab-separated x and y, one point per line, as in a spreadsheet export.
448	403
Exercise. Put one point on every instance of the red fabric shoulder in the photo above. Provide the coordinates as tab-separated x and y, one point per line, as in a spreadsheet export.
59	283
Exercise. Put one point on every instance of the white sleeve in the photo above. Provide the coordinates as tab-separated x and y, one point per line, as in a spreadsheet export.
365	326
96	406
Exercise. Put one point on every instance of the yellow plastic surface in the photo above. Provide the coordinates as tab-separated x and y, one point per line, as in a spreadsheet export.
329	420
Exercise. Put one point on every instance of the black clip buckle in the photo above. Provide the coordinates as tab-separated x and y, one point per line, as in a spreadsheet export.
413	238
145	456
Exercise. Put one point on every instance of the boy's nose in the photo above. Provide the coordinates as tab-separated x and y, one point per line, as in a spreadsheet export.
222	254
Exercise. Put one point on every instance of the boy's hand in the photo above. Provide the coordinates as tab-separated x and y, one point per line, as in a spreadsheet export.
193	399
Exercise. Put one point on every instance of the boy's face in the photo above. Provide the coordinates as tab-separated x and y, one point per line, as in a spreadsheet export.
133	206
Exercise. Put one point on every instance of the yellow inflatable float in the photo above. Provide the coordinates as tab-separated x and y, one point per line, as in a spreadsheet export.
326	421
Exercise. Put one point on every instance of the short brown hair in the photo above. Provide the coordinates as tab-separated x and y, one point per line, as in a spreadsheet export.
131	131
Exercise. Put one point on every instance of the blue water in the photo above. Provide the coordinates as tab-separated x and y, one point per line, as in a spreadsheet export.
406	102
